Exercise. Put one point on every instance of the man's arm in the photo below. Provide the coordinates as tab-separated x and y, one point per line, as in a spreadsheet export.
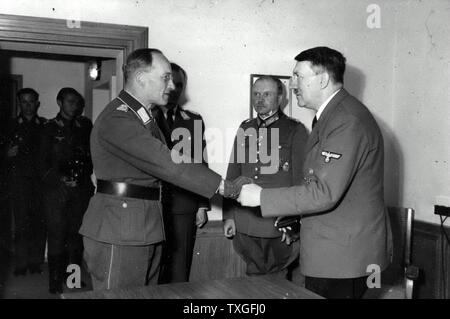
123	137
327	180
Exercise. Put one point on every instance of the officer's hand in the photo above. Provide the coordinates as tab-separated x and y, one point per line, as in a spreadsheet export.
229	228
201	217
230	190
233	189
241	181
12	151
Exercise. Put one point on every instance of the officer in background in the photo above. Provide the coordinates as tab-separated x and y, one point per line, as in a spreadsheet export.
22	139
256	239
65	167
184	211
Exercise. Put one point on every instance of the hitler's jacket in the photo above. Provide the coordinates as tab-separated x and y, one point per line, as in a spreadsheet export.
127	146
344	222
287	172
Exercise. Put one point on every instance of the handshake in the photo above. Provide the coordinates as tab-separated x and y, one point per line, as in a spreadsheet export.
232	189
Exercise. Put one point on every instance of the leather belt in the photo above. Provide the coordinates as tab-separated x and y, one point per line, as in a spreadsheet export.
128	190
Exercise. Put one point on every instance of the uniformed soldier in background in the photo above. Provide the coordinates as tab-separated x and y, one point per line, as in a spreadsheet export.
65	167
256	239
184	211
122	228
24	188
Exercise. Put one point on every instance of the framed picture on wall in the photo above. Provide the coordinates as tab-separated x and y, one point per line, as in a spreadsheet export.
286	104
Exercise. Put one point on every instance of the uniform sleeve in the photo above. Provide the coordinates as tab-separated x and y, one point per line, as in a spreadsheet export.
203	201
122	136
233	171
329	181
298	141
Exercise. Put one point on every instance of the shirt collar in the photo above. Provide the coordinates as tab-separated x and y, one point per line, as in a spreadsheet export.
269	120
324	104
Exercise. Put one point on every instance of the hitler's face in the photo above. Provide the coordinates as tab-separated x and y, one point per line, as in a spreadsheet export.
28	105
156	80
307	84
179	81
265	98
69	106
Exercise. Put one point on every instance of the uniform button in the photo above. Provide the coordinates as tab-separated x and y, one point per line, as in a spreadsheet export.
256	176
124	205
279	146
256	168
311	171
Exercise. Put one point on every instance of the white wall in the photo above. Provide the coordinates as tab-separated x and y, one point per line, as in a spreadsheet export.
220	43
47	77
422	103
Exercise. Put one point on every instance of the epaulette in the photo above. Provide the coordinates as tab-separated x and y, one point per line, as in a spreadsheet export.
122	107
246	121
184	115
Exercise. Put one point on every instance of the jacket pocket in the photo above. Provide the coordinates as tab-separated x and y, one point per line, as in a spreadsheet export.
336	235
126	218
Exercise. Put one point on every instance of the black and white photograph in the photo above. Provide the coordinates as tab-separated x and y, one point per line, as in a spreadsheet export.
232	158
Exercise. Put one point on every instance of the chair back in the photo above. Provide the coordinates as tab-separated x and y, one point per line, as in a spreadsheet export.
401	220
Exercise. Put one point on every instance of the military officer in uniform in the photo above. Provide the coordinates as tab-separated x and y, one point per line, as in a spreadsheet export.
123	227
255	238
25	193
184	211
344	222
65	167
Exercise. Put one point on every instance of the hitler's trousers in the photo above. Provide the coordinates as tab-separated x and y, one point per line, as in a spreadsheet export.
337	288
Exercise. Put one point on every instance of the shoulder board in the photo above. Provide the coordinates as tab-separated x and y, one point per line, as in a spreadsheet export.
122	107
247	121
185	115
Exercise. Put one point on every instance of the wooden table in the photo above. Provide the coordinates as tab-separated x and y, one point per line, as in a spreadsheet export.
260	287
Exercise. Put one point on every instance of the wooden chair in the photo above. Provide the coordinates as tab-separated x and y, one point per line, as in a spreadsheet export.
397	280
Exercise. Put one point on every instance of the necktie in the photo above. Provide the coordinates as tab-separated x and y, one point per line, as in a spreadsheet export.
170	118
314	122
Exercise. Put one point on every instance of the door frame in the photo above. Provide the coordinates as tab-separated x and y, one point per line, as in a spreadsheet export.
25	33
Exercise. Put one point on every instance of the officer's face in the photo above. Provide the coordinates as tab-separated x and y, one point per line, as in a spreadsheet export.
265	98
28	105
179	82
156	80
69	106
307	85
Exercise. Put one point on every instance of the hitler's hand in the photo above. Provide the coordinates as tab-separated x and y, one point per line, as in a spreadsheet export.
250	195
